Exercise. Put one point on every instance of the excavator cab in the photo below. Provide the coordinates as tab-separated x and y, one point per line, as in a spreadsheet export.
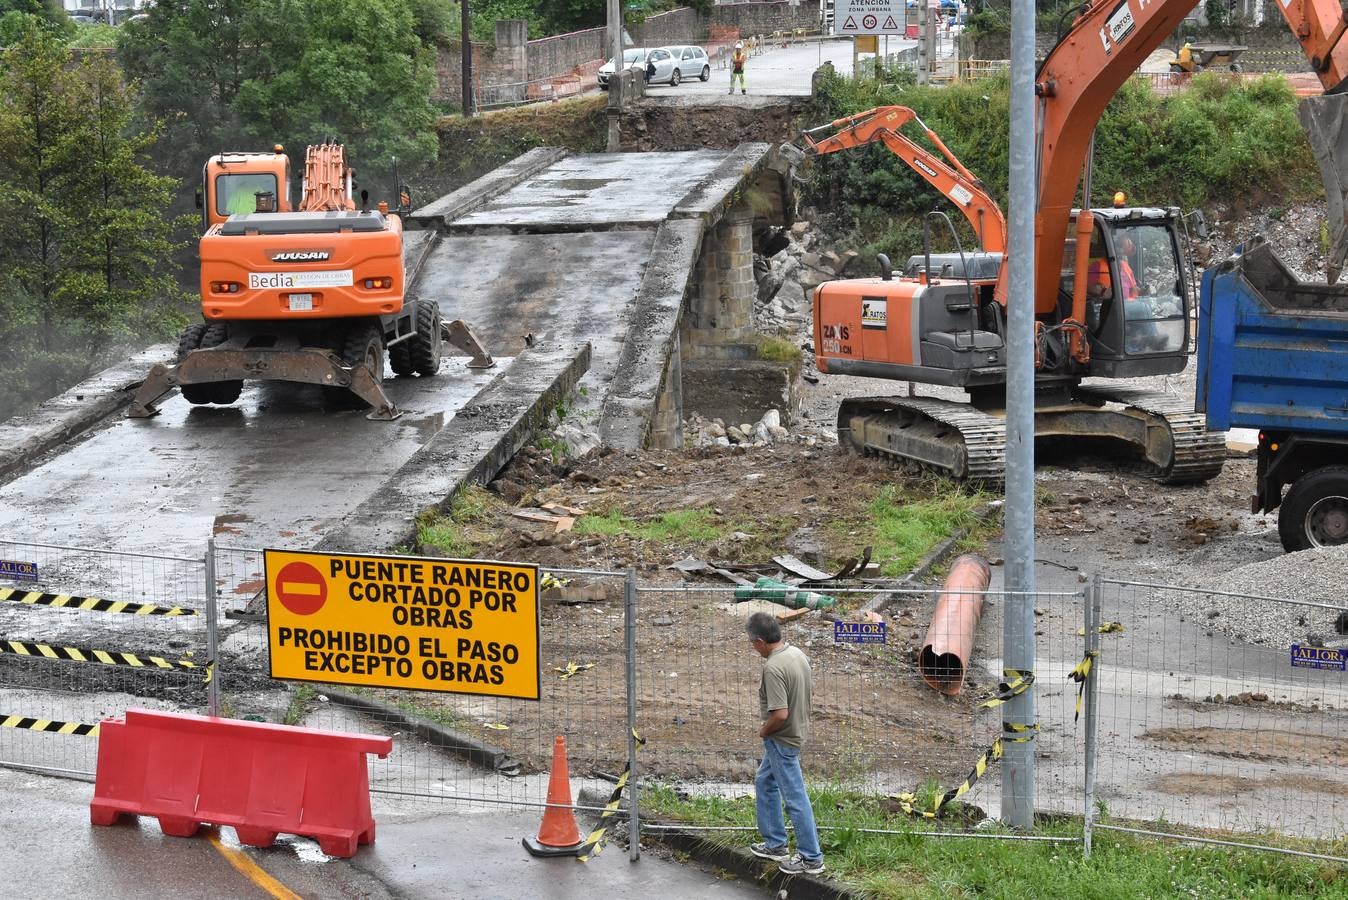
242	183
1137	306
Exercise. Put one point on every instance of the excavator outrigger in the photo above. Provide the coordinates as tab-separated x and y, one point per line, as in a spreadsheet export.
1112	285
314	294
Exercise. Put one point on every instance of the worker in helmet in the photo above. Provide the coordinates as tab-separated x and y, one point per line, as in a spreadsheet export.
737	60
1098	281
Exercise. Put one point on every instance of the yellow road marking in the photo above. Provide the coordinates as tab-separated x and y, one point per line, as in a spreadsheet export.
251	870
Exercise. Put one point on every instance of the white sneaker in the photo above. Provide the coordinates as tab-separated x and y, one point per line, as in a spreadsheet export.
797	865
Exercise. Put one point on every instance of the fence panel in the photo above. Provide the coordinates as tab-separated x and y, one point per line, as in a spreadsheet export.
492	749
86	634
1212	720
877	728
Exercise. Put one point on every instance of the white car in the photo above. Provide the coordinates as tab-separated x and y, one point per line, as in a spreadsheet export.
691	62
633	58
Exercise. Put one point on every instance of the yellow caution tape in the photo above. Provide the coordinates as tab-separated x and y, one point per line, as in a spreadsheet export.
1017	683
1079	674
908	801
91	604
1107	628
495	726
550	580
27	723
571	668
594	843
106	657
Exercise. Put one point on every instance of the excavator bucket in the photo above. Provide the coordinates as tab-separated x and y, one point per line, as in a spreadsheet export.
1325	121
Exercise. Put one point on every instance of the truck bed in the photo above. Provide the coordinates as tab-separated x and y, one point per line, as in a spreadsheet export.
1272	350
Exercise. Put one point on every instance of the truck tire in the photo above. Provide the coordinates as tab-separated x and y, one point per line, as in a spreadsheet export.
189	340
425	345
1315	511
363	346
400	358
222	392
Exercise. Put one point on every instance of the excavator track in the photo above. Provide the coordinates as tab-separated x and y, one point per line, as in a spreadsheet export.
946	436
1197	454
966	443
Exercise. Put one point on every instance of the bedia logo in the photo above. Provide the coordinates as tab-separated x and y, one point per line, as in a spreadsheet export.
300	255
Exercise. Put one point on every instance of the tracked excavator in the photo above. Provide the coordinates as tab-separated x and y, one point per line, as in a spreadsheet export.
311	292
1112	286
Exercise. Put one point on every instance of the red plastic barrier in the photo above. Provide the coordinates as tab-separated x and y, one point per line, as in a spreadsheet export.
258	778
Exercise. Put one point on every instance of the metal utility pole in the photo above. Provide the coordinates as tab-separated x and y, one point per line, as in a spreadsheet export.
1018	621
923	59
469	108
615	81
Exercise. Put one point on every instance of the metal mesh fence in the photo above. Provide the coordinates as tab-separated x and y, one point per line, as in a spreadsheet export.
482	749
877	727
1215	718
86	634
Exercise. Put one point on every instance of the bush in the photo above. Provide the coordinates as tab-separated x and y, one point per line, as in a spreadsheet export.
1217	140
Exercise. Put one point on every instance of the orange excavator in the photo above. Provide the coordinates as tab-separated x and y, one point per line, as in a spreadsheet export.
312	293
1112	285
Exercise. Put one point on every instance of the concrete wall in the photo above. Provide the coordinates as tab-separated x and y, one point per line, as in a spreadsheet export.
679	26
763	18
557	55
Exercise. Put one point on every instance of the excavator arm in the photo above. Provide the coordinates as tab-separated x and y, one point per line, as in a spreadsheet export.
1105	45
944	172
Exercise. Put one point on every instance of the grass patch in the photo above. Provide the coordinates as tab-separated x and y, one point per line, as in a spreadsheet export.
903	530
299	703
464	529
775	348
692	525
905	865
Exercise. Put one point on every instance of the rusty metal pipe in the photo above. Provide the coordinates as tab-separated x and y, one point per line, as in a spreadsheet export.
950	637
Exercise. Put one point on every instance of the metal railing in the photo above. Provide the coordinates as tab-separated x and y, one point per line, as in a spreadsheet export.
1203	716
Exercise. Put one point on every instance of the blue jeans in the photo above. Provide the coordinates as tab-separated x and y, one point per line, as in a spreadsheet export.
779	779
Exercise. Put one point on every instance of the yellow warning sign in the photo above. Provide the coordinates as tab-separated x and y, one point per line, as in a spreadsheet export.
460	626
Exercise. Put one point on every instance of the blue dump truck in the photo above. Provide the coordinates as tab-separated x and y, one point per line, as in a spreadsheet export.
1273	355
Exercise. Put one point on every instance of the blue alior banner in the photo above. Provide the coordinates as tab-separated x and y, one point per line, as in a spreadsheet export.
858	632
1319	658
18	571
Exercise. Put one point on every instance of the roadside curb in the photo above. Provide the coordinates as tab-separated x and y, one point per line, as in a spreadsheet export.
476	194
55	421
471	749
939	554
749	867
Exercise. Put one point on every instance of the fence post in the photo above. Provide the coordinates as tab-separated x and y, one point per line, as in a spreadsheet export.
630	638
212	646
1092	644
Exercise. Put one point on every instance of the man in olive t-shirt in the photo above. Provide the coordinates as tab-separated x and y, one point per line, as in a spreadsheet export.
784	704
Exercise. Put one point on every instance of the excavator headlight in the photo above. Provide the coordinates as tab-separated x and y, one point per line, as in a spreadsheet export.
372	284
225	287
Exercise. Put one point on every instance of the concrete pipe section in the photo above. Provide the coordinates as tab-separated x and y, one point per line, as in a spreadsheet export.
944	659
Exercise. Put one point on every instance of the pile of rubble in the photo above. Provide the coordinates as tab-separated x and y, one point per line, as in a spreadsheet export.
786	279
704	432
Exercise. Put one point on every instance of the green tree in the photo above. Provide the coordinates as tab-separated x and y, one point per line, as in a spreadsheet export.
230	74
83	239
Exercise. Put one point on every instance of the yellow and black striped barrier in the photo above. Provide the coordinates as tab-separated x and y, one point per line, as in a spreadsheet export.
593	844
28	723
908	801
106	657
1080	673
91	604
1017	682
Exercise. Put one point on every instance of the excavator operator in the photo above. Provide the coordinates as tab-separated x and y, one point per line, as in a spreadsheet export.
1098	281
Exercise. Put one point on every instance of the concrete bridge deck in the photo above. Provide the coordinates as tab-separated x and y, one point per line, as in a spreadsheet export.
611	262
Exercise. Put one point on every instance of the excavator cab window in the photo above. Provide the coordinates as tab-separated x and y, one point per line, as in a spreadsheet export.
237	194
1150	287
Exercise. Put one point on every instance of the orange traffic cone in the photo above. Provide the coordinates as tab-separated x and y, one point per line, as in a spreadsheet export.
559	835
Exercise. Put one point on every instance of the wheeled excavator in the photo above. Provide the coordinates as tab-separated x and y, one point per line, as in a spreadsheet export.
311	292
1112	285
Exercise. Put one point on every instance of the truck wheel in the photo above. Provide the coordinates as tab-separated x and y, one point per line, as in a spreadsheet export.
1315	510
222	392
362	347
400	357
425	345
189	340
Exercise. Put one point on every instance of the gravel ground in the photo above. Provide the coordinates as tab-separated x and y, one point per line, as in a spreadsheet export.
1311	576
